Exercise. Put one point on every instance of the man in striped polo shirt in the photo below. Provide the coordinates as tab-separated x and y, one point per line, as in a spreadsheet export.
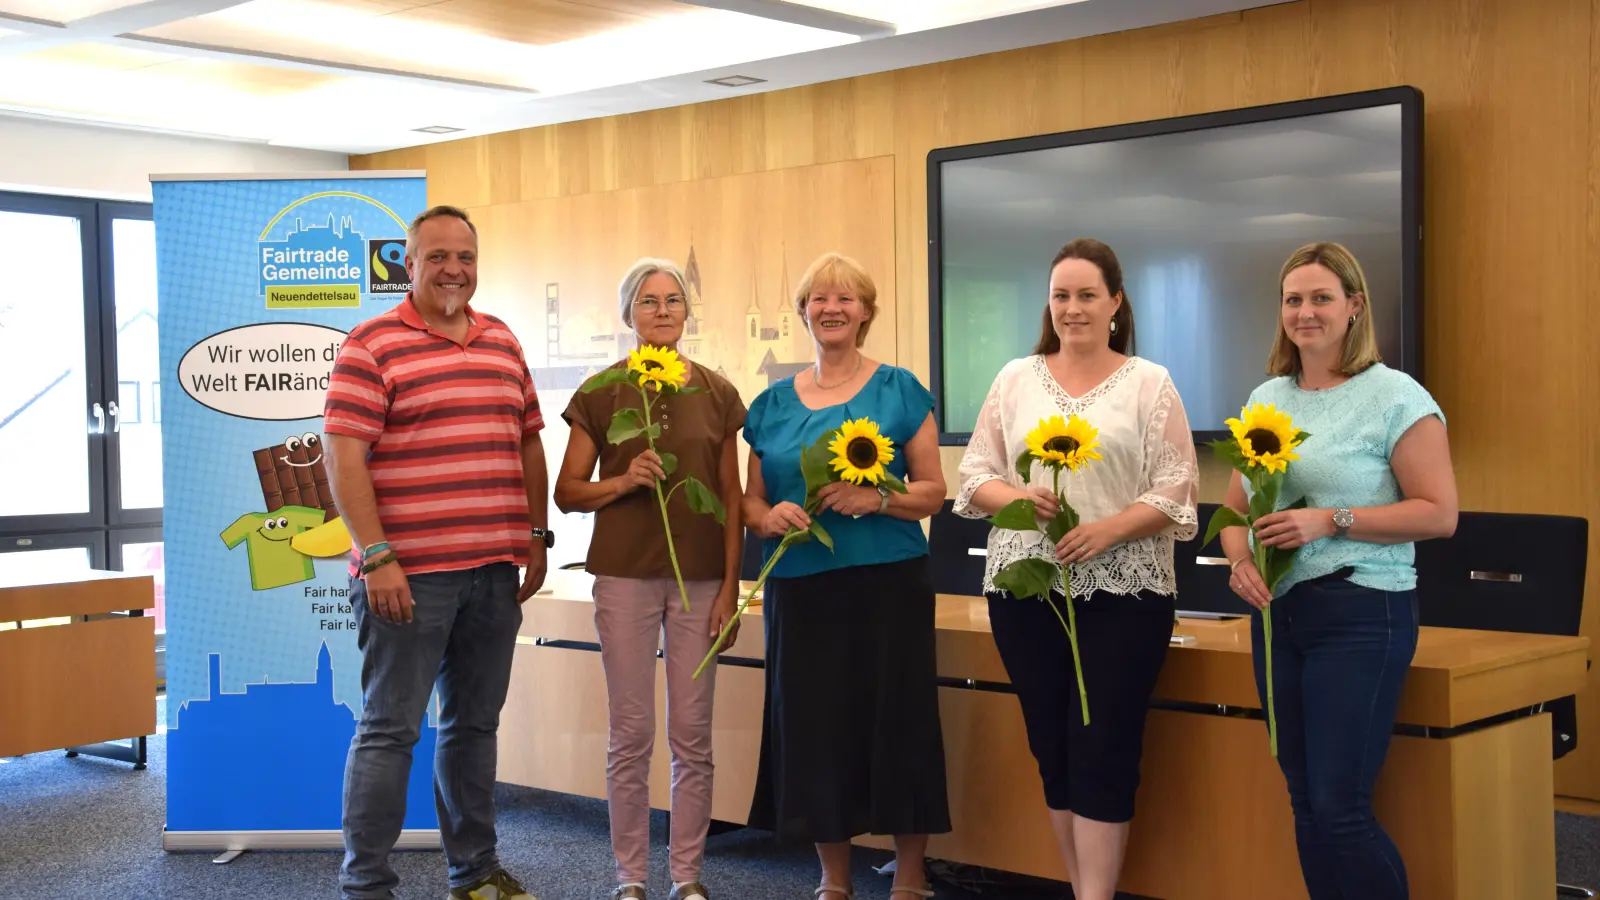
436	465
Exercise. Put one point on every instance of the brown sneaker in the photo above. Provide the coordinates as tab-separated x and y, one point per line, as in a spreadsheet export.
499	886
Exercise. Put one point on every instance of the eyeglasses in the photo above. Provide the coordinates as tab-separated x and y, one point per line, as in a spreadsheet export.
651	305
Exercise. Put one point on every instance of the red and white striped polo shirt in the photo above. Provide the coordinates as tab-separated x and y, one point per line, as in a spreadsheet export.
446	423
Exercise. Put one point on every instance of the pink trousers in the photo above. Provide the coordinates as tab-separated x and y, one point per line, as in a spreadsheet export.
632	614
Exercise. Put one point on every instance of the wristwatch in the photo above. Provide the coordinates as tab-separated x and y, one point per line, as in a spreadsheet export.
545	534
1342	520
883	491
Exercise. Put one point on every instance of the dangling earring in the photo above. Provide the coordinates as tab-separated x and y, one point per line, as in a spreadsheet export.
1352	321
1113	326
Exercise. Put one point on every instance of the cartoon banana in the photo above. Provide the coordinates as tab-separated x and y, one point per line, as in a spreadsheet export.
325	540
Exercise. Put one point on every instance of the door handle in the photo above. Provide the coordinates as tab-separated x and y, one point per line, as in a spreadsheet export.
116	423
99	420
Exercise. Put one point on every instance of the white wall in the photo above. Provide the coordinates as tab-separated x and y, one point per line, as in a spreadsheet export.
116	163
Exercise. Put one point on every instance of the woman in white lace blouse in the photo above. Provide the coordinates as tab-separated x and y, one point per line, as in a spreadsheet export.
1134	502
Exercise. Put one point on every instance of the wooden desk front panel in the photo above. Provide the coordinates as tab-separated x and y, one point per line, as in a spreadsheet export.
69	685
85	593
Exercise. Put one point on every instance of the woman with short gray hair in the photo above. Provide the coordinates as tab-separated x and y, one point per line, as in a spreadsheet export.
636	596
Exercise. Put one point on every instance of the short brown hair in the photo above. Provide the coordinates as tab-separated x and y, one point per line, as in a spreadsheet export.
1105	260
1360	340
434	212
837	271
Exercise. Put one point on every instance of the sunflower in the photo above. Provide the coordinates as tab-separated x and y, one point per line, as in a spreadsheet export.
860	452
657	366
1064	444
1266	437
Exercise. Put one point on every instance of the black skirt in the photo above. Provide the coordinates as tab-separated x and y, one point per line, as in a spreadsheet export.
851	743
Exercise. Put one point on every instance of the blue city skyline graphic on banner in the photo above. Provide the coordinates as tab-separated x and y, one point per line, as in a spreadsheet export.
325	239
271	734
263	668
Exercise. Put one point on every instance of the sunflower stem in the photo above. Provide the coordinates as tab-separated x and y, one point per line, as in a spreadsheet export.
1266	633
743	605
661	500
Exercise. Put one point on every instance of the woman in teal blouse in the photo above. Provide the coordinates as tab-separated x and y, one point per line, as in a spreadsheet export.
1376	477
852	743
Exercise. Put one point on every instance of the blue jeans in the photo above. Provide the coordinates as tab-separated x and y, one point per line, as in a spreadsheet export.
1340	653
461	637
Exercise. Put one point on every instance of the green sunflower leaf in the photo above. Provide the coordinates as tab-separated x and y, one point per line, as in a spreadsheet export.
1065	521
702	500
607	378
1024	467
795	536
822	535
691	389
1265	498
814	466
627	423
1027	578
1224	517
1278	563
894	484
1018	515
669	463
1228	452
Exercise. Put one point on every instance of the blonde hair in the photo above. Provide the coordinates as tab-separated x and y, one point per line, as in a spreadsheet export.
633	282
1360	339
839	272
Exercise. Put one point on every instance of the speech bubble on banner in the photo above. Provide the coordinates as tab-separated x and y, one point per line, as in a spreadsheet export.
274	371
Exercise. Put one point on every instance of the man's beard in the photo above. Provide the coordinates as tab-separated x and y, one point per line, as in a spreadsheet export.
451	306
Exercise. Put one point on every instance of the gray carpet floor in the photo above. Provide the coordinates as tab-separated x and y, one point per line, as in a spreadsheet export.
92	828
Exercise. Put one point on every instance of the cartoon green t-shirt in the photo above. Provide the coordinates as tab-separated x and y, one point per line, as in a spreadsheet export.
273	563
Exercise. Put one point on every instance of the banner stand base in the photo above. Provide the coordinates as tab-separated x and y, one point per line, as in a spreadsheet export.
180	841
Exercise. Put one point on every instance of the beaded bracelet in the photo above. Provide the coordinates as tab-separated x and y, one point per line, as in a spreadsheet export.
368	568
373	550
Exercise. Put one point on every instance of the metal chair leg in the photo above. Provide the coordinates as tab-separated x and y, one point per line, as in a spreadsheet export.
1567	890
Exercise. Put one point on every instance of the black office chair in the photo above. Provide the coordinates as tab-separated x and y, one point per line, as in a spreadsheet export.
951	542
1511	572
1202	574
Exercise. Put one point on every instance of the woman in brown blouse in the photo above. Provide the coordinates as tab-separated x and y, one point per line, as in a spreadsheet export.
635	595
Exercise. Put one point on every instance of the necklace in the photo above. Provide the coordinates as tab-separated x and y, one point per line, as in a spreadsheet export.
816	375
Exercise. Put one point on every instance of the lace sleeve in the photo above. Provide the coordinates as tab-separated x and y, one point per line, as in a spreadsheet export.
984	460
1171	479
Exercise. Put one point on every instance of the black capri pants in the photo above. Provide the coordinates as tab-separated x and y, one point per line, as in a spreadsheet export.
1092	771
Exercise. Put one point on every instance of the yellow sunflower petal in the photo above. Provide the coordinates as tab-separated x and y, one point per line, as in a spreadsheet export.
860	452
658	366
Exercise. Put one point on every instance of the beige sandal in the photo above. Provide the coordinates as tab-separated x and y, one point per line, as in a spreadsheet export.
915	892
832	889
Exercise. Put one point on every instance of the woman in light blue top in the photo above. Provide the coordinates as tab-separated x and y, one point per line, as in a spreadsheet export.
852	743
1376	476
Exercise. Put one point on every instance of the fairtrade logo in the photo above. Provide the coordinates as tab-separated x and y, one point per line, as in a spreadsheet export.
386	260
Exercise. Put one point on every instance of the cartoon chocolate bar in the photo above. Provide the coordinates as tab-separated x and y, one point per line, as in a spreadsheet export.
292	474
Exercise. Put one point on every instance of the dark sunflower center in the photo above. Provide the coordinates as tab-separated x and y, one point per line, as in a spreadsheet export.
651	365
1062	444
862	452
1263	441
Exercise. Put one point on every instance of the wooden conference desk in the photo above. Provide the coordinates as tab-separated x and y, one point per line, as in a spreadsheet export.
1470	804
81	685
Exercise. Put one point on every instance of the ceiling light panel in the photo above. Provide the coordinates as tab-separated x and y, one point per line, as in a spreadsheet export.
550	48
61	10
920	15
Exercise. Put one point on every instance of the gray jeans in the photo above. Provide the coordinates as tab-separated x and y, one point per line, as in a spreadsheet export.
461	637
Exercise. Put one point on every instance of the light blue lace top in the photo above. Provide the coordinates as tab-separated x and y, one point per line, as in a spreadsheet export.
1345	464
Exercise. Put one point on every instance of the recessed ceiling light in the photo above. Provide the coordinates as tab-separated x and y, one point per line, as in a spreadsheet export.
735	80
438	129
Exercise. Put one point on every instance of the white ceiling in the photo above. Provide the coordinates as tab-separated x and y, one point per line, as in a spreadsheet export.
358	76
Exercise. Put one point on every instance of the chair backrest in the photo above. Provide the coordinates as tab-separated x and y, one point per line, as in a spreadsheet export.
1202	573
750	563
1505	572
951	540
1510	572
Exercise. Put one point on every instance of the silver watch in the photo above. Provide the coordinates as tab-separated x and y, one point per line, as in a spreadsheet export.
883	491
1342	520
